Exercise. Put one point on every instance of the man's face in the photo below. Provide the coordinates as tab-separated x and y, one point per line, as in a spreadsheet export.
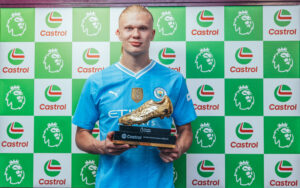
135	32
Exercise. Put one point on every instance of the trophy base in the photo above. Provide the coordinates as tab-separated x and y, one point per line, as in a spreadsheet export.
144	136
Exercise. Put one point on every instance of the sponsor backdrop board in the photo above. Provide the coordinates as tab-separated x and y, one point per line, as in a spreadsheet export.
241	66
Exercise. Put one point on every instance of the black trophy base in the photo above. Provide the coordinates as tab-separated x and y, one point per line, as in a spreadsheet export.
144	136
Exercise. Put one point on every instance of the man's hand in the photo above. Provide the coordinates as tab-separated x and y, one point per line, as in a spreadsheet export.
169	154
115	149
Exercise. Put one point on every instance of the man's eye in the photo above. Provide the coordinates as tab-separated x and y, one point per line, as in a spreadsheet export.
143	28
129	28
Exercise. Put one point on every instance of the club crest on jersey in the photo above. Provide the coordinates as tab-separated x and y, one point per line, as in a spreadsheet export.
159	93
137	94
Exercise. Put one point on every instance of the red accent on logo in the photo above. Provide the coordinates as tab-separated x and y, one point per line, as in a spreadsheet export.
282	92
53	167
54	19
17	56
88	55
244	55
15	130
206	168
165	55
50	92
283	168
283	17
206	92
207	18
242	130
95	131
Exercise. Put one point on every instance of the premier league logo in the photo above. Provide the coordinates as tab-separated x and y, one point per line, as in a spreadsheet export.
52	135
166	24
205	60
243	23
282	60
16	25
283	136
52	61
175	175
14	172
90	24
244	174
244	98
15	98
88	172
205	136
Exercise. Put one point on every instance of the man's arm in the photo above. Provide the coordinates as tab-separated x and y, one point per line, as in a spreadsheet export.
86	142
183	143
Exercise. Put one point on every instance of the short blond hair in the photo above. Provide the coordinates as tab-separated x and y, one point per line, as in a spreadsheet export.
138	8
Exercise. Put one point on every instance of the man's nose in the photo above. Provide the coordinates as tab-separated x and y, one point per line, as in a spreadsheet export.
135	32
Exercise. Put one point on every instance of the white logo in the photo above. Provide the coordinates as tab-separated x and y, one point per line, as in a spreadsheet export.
243	23
53	61
114	93
166	23
16	25
244	174
88	172
244	98
282	60
52	135
15	98
123	136
205	136
159	93
175	175
205	60
90	24
14	172
283	136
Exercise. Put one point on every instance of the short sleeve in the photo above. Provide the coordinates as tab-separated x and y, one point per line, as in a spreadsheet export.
86	113
184	111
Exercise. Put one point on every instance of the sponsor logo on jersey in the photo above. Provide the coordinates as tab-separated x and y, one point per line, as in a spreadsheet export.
14	173
244	131
282	60
53	20
53	93
243	23
205	18
52	135
205	93
283	93
205	60
243	56
166	56
14	131
52	168
159	92
16	26
243	98
282	18
15	98
205	169
244	174
88	172
284	169
53	61
90	24
205	136
166	24
283	136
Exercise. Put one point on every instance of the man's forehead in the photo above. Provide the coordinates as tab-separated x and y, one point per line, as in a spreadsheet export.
135	18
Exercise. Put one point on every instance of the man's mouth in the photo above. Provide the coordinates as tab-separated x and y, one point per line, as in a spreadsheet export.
136	44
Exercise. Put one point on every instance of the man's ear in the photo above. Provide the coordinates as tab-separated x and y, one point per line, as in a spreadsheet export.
117	32
153	34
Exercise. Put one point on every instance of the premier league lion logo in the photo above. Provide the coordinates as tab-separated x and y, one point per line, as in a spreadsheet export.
243	23
205	60
283	136
15	98
88	172
16	25
244	174
14	172
244	98
90	24
166	23
52	135
282	60
205	136
175	175
53	61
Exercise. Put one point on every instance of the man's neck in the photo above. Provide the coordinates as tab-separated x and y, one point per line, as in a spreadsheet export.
135	63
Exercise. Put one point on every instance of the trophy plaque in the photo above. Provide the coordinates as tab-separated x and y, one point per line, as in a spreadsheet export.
135	135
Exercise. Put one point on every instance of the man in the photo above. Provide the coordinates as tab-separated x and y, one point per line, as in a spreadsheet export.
109	94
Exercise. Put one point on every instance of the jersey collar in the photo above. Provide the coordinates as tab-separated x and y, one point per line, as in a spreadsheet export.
138	74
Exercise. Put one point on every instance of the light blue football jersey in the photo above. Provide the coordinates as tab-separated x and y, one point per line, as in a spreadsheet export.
107	95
